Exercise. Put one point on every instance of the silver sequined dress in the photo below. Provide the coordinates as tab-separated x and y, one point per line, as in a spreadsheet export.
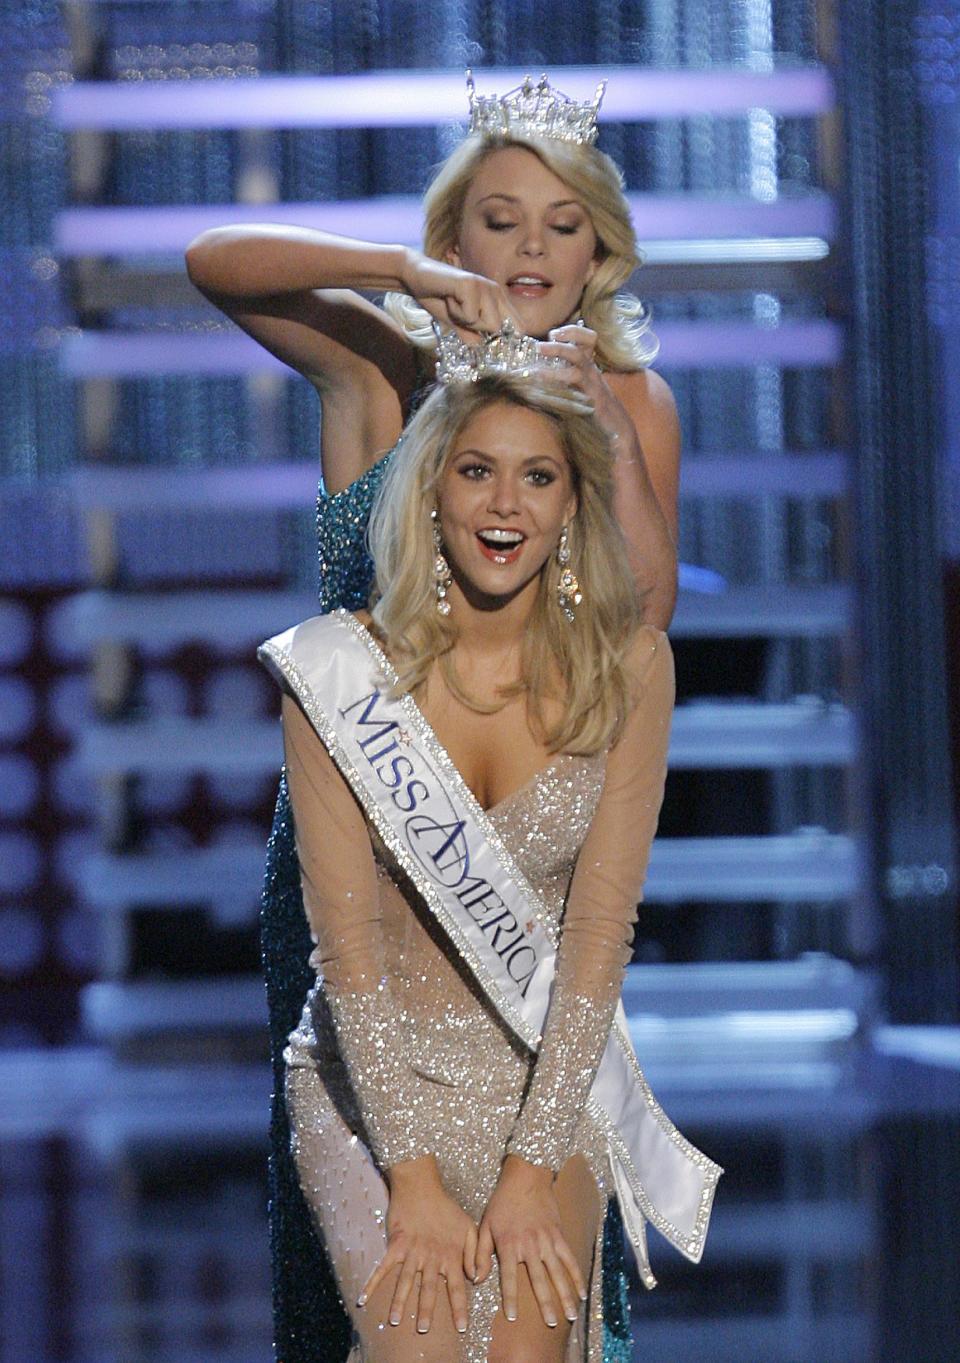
399	1054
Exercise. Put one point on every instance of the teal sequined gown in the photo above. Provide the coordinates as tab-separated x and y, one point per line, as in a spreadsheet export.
310	1323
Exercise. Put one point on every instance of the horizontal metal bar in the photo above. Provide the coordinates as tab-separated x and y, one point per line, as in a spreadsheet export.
79	1089
812	867
383	99
229	353
775	611
670	225
205	875
766	1042
171	746
805	1233
703	988
938	1046
159	621
757	474
144	487
784	279
748	251
726	735
165	1006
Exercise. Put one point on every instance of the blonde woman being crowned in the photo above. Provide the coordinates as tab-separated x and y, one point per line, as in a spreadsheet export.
476	768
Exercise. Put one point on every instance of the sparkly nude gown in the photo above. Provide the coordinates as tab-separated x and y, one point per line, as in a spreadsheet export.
398	1053
311	1322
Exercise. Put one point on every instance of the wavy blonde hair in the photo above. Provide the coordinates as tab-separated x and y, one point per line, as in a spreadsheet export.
581	664
622	323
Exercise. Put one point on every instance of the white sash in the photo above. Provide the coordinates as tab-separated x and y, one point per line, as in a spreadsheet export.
433	825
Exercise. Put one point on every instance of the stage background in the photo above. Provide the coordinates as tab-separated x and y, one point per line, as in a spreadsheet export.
792	169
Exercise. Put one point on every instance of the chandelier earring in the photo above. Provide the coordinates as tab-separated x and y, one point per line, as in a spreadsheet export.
442	576
569	595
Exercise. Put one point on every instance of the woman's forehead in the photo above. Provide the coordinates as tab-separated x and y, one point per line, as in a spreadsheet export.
508	427
518	173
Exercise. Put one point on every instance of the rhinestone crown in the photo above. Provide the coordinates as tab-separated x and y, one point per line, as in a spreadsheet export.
505	352
535	108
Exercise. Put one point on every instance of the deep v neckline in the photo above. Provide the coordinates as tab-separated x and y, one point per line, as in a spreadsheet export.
390	672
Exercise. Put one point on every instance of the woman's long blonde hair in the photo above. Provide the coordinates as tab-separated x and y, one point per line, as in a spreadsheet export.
580	664
624	339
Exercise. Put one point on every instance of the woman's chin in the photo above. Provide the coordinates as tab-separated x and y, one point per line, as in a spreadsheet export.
537	317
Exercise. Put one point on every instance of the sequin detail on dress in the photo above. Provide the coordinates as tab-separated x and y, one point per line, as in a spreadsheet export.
309	1319
463	1077
311	1322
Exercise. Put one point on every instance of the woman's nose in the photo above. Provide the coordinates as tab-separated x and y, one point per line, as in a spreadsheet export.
504	496
531	243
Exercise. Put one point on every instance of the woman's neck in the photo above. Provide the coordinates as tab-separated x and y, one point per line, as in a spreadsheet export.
493	634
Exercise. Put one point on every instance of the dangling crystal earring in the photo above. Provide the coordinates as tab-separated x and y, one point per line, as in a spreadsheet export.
569	594
441	568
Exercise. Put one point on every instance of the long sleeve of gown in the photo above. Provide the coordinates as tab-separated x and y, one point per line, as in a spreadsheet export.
597	931
342	903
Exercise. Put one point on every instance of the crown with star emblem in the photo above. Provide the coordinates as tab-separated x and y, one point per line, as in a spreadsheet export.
535	108
507	351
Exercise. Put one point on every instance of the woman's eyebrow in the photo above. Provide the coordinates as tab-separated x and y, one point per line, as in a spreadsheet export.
492	458
512	199
543	459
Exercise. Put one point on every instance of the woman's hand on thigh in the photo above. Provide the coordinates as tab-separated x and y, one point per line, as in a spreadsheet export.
521	1225
428	1233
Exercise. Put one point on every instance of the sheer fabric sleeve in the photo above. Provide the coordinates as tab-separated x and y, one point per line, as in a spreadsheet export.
342	902
597	931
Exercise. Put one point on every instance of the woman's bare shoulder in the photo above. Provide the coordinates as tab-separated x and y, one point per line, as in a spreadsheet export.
645	394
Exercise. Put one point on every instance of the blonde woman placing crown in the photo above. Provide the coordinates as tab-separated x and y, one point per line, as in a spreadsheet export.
518	225
521	225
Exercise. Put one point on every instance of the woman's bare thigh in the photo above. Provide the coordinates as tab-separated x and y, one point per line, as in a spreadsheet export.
529	1339
349	1199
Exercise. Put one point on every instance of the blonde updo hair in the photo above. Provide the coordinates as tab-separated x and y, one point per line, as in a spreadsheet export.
580	664
624	339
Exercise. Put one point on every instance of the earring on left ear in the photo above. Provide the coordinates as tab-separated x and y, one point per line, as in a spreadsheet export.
569	595
442	576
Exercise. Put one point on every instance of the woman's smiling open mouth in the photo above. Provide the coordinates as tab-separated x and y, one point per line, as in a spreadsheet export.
529	284
500	545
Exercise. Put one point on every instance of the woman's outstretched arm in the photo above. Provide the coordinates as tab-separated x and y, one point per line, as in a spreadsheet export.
295	290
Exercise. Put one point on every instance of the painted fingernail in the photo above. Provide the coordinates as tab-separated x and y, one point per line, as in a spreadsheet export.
422	1329
551	1321
394	1319
362	1299
511	1315
462	1326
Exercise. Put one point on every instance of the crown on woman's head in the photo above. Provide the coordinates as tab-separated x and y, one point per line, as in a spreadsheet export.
505	352
537	109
